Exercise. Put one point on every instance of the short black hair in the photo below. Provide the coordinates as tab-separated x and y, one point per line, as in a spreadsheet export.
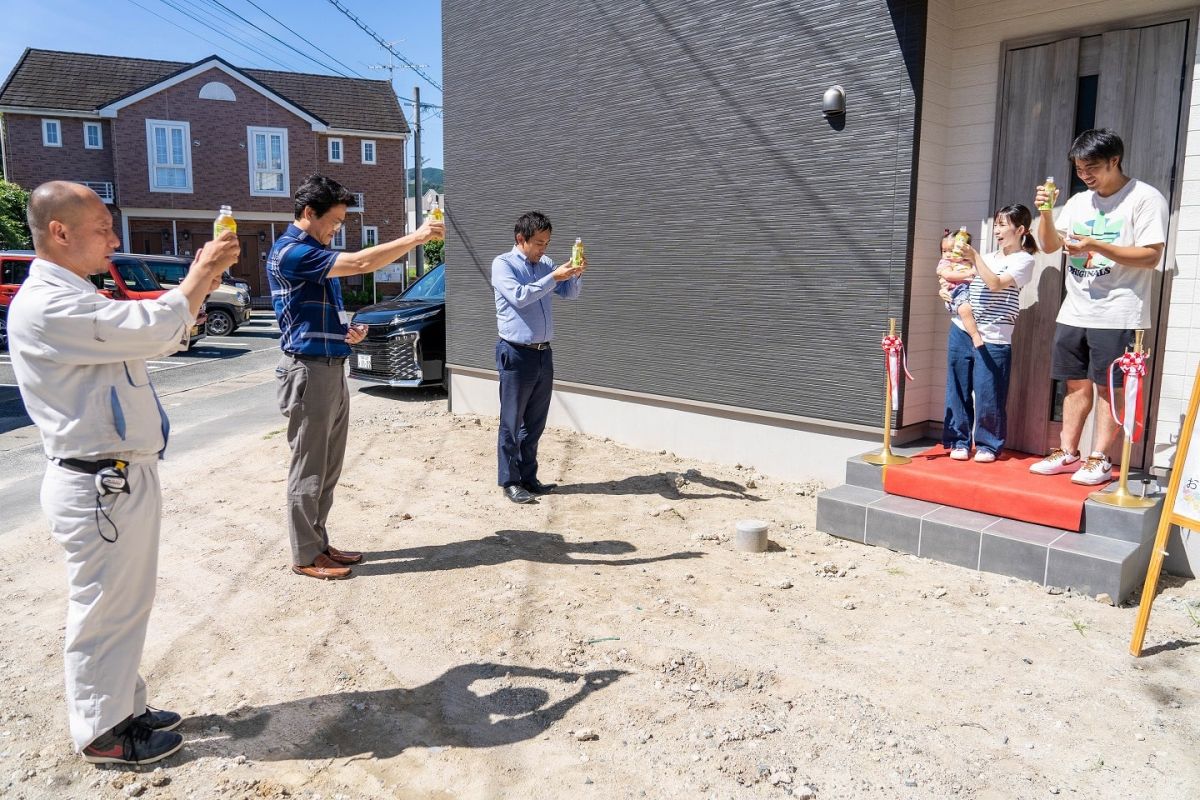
530	223
321	194
1097	144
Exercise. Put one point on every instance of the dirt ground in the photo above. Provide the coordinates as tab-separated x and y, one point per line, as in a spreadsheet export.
608	642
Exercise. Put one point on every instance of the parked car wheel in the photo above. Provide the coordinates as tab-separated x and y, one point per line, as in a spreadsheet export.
3	331
220	322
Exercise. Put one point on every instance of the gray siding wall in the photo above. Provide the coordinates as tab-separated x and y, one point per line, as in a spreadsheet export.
742	249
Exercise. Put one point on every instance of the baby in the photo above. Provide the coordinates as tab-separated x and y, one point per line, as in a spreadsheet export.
957	272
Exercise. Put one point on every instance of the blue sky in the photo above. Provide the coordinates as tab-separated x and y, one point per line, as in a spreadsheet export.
121	27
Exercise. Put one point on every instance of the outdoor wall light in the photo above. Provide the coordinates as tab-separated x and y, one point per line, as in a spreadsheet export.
262	236
166	234
186	236
833	104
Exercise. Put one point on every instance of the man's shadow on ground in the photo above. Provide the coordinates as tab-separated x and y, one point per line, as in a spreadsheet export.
662	484
503	547
443	713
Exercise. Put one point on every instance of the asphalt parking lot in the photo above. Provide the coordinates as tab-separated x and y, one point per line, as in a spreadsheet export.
250	348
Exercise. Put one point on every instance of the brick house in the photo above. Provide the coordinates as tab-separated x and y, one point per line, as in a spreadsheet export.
167	143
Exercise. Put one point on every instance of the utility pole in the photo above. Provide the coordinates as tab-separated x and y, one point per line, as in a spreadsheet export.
419	253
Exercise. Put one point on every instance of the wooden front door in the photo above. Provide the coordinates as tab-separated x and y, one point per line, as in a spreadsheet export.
1130	80
250	266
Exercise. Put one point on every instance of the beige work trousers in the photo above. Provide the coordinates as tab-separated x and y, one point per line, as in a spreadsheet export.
110	591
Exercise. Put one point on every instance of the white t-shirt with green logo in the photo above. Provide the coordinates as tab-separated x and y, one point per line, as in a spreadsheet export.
1102	293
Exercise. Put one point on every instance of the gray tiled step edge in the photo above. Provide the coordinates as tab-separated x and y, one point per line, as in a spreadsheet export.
1135	525
1049	556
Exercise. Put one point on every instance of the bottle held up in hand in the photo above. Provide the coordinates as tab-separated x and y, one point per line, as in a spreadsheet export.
961	240
577	252
224	222
1051	192
435	214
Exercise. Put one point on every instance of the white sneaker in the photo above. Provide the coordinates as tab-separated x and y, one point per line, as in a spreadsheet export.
985	456
1057	462
960	454
1096	469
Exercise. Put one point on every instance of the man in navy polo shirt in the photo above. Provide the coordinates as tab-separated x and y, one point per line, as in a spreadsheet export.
316	338
524	282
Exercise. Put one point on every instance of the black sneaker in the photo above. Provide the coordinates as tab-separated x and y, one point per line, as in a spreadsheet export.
132	743
158	720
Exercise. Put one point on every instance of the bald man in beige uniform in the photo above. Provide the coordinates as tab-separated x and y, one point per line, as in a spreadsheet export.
80	362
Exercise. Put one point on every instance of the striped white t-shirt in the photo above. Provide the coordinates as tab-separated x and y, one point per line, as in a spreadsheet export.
996	312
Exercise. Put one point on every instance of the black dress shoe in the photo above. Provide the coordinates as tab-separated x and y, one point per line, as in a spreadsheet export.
537	487
517	494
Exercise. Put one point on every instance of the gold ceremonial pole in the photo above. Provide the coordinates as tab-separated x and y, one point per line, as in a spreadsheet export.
886	456
1122	496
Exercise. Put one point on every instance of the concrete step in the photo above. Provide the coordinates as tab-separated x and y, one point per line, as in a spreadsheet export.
1135	525
1110	556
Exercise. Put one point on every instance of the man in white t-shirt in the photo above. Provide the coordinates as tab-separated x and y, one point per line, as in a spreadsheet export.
1114	235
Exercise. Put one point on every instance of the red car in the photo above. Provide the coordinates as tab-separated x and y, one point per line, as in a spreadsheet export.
127	279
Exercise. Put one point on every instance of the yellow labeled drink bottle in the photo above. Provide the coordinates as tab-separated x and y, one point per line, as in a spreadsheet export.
577	252
961	240
224	222
435	214
1051	194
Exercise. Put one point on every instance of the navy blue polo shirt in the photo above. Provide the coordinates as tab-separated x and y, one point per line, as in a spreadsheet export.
308	303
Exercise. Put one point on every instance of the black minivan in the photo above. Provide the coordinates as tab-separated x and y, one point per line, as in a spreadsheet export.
406	336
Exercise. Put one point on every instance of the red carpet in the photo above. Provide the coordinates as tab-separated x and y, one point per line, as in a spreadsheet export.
1005	488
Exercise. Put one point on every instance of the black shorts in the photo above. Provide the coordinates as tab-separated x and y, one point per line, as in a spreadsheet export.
1081	353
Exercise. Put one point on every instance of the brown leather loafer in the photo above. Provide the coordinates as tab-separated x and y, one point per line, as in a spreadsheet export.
343	556
323	567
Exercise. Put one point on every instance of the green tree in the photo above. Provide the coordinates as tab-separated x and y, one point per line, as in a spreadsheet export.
435	253
14	230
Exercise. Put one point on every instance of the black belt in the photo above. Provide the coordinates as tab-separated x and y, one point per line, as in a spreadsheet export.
88	467
317	359
534	346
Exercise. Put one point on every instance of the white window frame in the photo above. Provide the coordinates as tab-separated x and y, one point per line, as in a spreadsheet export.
338	242
88	126
359	206
251	132
374	151
169	125
341	151
46	124
370	229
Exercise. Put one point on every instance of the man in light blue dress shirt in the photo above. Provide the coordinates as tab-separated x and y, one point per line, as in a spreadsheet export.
524	281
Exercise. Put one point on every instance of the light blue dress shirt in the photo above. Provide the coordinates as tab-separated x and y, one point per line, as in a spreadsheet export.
523	303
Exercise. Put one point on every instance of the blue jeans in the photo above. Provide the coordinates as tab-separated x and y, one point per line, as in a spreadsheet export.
976	393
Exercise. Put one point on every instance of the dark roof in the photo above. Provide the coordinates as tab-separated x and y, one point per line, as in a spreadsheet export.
84	82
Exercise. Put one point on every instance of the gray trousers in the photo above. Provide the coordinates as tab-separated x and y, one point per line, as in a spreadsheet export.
314	397
111	591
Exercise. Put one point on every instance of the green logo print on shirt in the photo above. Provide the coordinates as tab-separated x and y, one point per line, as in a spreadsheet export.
1102	229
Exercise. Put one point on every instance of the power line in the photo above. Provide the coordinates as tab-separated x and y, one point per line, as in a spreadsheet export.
414	67
169	21
228	22
208	23
301	38
299	52
434	108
